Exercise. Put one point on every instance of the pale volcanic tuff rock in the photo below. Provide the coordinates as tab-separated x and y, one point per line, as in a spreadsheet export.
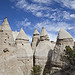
44	35
6	37
63	34
8	61
9	64
36	32
43	51
63	39
21	48
15	34
35	40
16	53
5	25
24	52
6	34
22	35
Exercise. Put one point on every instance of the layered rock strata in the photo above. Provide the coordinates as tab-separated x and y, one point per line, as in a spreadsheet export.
35	40
63	39
24	52
43	51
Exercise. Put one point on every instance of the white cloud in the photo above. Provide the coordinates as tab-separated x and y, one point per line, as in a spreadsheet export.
37	8
24	23
72	15
52	36
66	15
23	4
67	3
53	28
40	10
74	39
42	1
39	14
30	38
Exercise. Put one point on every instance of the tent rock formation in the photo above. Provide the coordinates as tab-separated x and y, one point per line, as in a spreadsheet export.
17	56
63	39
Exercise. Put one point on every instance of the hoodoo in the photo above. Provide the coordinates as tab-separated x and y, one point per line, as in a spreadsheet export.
43	51
17	56
5	25
63	39
24	52
6	37
9	64
35	40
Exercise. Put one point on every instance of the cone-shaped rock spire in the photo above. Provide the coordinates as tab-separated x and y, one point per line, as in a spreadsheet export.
5	25
6	34
35	40
44	34
5	21
36	32
22	35
24	52
43	51
63	34
64	39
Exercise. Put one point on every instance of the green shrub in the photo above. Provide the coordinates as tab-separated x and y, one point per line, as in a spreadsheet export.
36	70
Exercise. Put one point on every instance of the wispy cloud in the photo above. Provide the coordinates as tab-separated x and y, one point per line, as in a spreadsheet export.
43	1
54	18
72	15
39	14
41	10
24	23
30	7
67	3
52	36
53	28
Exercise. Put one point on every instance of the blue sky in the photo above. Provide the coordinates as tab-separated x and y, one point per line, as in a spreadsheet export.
31	14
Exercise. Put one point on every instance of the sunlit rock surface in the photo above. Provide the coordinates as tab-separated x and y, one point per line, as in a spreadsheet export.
24	52
63	39
35	40
43	51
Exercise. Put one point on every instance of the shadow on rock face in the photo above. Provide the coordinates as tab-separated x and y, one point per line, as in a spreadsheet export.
48	64
5	50
63	73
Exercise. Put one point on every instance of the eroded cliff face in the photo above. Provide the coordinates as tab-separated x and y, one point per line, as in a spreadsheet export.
64	39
